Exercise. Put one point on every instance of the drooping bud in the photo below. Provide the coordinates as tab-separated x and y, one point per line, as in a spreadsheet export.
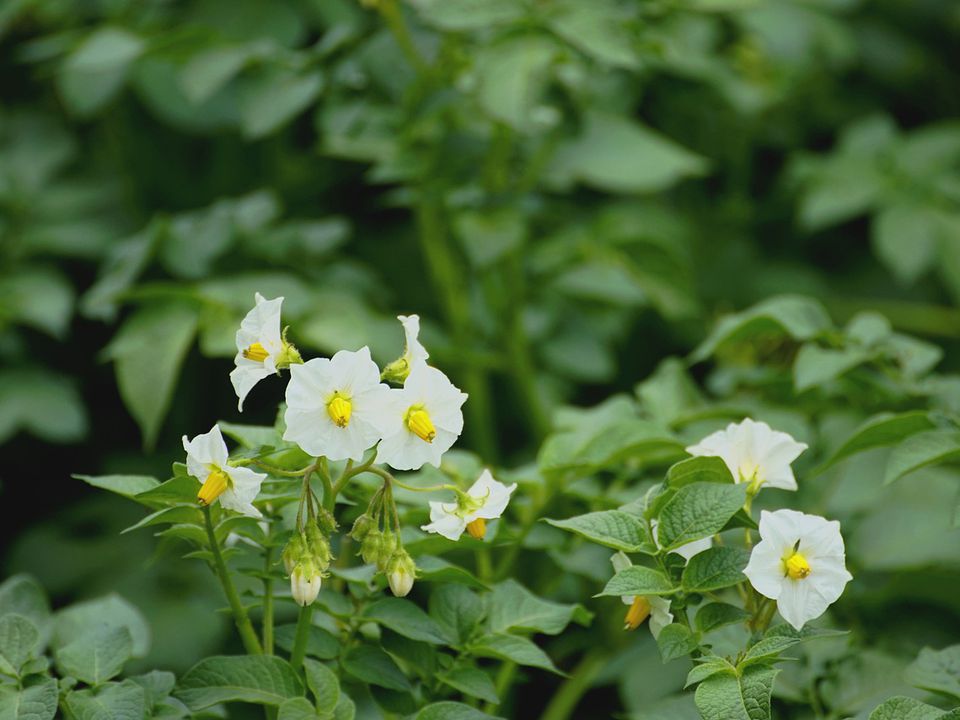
292	553
388	546
401	572
361	527
305	581
326	521
370	547
318	546
288	355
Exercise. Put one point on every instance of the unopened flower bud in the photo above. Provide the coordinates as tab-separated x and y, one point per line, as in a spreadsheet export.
400	573
293	552
326	521
361	527
370	547
305	583
386	549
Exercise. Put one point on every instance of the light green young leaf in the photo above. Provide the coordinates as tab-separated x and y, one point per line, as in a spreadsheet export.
262	679
714	568
112	701
513	607
459	15
178	490
598	447
211	69
717	614
936	670
815	365
125	485
905	708
297	709
512	647
639	580
43	404
698	469
96	655
879	431
905	237
405	618
513	74
473	682
372	665
697	511
22	595
702	670
723	696
611	528
19	640
274	97
676	641
34	702
448	710
40	298
93	73
106	613
921	450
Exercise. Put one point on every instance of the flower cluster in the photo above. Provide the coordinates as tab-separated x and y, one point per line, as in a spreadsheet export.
343	408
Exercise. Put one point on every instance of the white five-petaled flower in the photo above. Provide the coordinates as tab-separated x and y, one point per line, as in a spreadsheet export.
685	551
261	348
421	420
335	407
642	606
207	461
485	500
754	453
799	562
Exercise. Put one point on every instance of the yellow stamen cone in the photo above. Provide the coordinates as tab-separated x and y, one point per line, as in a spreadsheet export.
420	424
213	487
638	612
477	528
797	566
256	352
339	410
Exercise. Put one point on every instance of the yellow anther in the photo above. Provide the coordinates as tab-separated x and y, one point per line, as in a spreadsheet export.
420	424
339	409
213	487
797	566
477	528
256	352
638	612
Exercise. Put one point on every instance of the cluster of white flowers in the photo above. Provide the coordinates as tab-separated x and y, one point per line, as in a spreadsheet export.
799	561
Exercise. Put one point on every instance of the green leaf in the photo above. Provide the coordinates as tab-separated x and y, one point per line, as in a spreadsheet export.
717	614
96	655
714	568
274	97
727	697
106	613
922	450
611	528
467	14
125	485
597	447
616	154
434	569
320	643
905	238
157	686
458	609
698	469
251	436
711	666
262	679
675	641
698	511
639	580
799	318
113	701
179	514
905	708
405	618
40	298
211	69
93	73
43	404
512	606
513	75
178	490
448	710
34	702
766	649
346	709
323	683
512	647
815	365
490	235
148	351
19	640
880	431
372	665
935	670
22	595
473	682
297	709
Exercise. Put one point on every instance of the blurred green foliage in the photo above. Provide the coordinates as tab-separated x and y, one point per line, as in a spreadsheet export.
568	193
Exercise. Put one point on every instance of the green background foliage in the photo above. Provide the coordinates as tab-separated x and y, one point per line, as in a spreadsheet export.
624	223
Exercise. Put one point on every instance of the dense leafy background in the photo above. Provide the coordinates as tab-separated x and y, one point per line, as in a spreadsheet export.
568	193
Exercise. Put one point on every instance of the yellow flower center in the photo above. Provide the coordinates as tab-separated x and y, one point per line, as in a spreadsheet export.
638	612
477	528
256	352
213	487
796	566
339	409
419	423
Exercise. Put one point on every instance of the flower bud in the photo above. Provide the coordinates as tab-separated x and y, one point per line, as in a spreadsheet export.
361	527
318	546
370	547
400	573
293	552
326	521
387	547
305	583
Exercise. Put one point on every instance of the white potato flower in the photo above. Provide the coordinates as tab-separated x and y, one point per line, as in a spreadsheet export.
485	500
420	421
208	462
305	582
414	352
685	551
334	406
799	562
754	453
642	606
261	347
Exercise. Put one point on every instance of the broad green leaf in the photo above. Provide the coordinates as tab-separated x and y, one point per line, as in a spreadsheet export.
675	641
404	617
438	570
767	649
297	709
905	708
921	450
639	580
936	670
178	490
34	702
372	665
697	511
473	682
467	14
93	73
600	30
22	595
274	97
323	683
513	74
714	568
698	469
799	318
179	514
106	613
611	528
512	606
490	235
448	710
512	647
879	431
346	709
211	69
148	351
598	447
458	609
616	154
96	655
112	701
157	686
19	640
905	238
815	365
40	298
710	666
43	404
262	679
728	697
717	614
125	485
320	643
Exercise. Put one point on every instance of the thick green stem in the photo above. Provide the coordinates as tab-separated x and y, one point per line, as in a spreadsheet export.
247	634
268	602
393	17
301	638
565	700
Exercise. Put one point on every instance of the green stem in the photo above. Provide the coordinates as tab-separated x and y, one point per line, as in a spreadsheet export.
268	602
247	634
284	473
565	700
393	16
503	682
301	638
